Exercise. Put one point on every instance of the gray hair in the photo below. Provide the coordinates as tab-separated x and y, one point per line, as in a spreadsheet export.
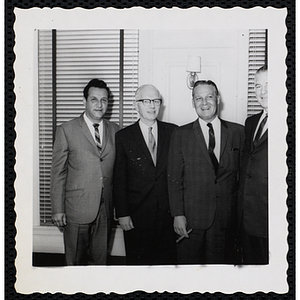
144	86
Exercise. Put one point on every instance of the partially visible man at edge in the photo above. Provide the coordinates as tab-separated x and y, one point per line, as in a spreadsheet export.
140	184
253	208
81	179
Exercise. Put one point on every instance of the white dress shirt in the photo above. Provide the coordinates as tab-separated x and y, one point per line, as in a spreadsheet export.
216	123
90	126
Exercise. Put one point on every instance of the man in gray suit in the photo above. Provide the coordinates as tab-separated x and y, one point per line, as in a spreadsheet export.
81	179
203	171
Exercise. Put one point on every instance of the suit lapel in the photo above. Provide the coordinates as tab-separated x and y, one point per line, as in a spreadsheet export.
160	140
224	138
105	134
201	141
255	122
262	139
140	141
85	130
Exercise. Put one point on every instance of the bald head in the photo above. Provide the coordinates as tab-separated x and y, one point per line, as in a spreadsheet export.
148	91
147	103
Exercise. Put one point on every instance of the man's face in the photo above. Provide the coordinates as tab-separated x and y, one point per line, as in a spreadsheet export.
96	104
149	113
261	88
205	102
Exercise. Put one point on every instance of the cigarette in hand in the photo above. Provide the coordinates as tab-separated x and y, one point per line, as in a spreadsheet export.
182	237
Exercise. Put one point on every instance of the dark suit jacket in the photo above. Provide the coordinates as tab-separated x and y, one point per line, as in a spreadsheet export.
79	173
254	182
140	188
194	189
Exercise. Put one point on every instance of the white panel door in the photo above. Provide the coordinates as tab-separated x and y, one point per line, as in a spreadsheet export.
163	60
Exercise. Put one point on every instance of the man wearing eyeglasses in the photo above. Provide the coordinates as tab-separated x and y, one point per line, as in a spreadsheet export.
253	201
140	184
81	179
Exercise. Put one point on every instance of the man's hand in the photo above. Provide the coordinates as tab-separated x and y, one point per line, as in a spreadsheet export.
126	223
59	219
180	224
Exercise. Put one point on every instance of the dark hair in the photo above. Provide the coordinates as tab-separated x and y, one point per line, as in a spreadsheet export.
262	69
205	82
95	83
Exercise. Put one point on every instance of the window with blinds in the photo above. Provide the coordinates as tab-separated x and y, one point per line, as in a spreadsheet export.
67	61
257	58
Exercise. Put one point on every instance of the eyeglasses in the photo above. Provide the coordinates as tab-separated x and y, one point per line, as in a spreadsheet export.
147	102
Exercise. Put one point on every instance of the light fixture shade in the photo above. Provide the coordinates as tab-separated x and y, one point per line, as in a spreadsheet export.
194	64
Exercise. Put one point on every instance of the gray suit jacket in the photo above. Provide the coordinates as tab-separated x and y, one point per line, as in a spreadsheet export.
194	189
80	174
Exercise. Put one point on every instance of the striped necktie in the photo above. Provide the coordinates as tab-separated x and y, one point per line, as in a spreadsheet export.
259	131
97	136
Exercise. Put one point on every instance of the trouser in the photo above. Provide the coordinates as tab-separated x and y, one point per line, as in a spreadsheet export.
215	245
86	244
255	250
150	246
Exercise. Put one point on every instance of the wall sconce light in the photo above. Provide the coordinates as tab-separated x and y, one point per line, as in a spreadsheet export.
193	67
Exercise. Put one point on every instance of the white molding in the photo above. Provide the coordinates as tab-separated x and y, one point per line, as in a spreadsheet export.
49	239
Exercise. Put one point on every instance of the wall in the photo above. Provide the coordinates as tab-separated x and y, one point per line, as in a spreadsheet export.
224	59
163	58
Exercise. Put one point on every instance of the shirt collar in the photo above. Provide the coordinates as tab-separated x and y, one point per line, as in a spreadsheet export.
143	125
88	121
215	122
264	114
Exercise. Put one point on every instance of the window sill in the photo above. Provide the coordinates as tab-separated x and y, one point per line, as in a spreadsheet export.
49	239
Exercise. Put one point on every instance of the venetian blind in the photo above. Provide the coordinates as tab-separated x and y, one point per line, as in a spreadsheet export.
80	55
257	58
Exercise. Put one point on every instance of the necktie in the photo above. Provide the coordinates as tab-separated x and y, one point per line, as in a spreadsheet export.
152	144
97	136
259	131
211	147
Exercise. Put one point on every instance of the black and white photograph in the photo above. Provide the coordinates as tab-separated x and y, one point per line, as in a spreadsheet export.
147	154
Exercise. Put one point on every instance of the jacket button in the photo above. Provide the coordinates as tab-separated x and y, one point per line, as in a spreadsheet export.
101	159
249	176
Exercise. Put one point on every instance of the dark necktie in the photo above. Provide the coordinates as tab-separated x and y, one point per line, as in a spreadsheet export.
211	147
259	131
97	136
152	144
